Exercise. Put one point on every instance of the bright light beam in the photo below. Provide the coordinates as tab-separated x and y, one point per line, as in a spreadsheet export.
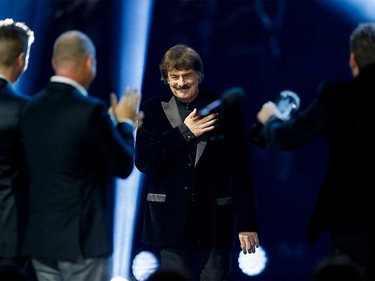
136	17
356	10
253	264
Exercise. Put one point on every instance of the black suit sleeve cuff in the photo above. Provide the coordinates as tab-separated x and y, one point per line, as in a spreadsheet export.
186	133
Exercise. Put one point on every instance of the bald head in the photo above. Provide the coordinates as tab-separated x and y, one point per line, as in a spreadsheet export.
74	57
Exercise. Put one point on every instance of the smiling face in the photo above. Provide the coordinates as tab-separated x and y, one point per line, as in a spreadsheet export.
184	84
182	69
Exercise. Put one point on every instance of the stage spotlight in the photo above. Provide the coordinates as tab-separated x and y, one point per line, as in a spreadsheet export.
144	264
133	29
353	9
253	264
119	278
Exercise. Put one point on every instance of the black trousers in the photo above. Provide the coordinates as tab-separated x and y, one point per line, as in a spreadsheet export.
91	269
196	264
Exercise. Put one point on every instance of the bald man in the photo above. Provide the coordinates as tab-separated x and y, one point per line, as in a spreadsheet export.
74	150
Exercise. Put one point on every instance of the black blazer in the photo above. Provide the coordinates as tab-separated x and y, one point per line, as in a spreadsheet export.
344	113
73	151
13	176
219	176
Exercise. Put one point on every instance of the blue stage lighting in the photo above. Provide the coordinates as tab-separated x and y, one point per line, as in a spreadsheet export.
119	278
144	264
31	13
253	264
136	17
354	10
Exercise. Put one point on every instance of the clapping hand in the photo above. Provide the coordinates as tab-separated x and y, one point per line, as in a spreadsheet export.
127	108
268	110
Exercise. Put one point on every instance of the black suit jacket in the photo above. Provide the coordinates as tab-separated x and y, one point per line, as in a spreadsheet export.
73	151
219	176
344	113
13	176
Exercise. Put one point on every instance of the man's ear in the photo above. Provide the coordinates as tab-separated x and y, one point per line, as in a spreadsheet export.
53	63
353	65
352	62
90	61
21	60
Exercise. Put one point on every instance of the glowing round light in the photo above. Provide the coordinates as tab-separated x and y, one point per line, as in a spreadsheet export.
253	264
144	264
119	278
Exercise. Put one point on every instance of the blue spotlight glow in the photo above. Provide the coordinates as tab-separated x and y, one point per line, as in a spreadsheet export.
32	13
355	10
253	264
136	18
119	278
144	264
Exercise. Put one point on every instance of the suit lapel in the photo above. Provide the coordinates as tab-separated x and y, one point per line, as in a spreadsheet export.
200	148
171	111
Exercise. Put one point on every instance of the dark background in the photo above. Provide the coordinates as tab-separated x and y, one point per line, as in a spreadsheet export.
262	46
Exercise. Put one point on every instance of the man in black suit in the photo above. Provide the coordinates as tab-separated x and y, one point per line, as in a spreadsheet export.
344	113
15	43
201	188
73	150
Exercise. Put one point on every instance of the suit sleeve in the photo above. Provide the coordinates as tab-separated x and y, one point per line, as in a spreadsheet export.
291	134
115	143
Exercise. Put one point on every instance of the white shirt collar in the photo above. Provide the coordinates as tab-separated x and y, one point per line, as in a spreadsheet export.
66	80
5	78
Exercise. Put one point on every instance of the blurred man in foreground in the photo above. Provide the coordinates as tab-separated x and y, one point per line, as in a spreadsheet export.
15	42
74	150
344	113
